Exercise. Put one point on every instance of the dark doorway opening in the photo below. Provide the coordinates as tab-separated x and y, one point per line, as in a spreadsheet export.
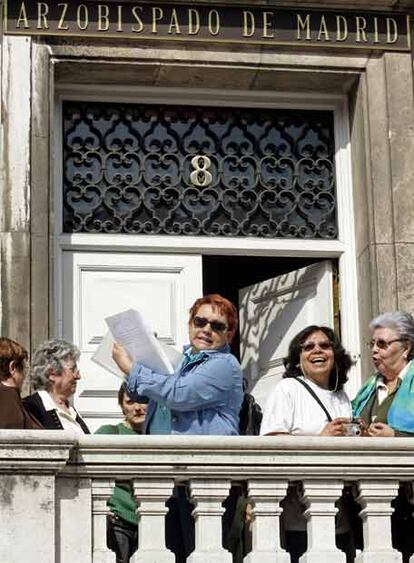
228	274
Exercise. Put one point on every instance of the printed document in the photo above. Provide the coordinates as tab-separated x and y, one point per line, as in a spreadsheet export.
130	329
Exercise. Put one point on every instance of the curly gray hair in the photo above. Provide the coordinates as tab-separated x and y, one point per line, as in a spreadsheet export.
50	356
400	322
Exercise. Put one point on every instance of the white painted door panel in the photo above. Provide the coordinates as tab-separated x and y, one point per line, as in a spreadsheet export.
96	285
272	312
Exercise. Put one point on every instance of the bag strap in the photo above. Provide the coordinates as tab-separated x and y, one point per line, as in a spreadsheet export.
315	396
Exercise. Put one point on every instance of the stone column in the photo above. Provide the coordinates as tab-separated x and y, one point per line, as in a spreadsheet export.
320	497
30	463
375	498
208	496
411	485
27	513
73	526
266	496
101	491
390	112
15	189
151	496
40	197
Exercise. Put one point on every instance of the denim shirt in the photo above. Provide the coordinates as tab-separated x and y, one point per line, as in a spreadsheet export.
204	394
157	419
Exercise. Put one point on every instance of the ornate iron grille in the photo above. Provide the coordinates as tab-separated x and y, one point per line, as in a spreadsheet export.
157	169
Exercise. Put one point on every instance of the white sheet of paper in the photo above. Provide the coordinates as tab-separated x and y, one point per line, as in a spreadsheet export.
103	356
130	329
174	356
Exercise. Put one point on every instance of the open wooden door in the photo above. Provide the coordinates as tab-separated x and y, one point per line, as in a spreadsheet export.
272	312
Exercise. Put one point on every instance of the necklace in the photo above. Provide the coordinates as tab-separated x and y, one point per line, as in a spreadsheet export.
391	385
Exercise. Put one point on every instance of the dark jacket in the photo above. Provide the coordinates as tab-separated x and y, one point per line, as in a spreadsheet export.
13	415
49	419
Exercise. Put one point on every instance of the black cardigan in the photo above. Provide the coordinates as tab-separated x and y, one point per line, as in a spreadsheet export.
48	419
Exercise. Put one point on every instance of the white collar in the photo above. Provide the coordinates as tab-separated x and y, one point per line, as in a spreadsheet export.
401	375
50	404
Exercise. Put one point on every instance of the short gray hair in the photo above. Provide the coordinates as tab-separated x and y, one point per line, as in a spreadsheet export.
50	356
399	321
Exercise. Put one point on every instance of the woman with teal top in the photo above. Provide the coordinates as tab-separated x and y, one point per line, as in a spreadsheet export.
386	401
122	527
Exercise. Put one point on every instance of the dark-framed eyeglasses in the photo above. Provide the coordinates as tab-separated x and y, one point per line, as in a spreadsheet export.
383	344
322	344
216	326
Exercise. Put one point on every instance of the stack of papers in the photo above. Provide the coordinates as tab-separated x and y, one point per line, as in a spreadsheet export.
130	329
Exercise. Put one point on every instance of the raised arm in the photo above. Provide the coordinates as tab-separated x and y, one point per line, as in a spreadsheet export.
202	387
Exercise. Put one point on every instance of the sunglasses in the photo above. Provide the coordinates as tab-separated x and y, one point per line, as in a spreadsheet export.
323	345
216	326
383	344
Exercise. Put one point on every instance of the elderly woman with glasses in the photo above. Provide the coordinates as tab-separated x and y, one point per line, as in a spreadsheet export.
386	401
55	375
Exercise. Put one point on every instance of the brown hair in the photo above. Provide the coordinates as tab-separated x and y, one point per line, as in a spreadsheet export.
122	392
11	351
224	306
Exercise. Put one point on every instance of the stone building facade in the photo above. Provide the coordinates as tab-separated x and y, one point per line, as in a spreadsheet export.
350	59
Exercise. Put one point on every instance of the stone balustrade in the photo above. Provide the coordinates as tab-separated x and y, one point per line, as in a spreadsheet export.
54	487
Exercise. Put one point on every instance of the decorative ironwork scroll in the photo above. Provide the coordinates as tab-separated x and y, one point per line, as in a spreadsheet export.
158	169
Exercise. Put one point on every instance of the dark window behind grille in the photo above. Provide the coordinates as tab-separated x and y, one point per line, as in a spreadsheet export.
158	169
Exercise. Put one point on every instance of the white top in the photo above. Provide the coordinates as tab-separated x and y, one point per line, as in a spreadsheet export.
68	420
292	409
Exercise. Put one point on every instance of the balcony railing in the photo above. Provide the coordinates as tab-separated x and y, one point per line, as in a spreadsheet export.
54	489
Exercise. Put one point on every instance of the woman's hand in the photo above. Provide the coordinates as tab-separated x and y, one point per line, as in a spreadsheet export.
380	430
336	427
121	358
364	427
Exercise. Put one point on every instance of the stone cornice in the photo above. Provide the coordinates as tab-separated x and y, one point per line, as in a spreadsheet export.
291	457
358	5
34	451
185	457
396	5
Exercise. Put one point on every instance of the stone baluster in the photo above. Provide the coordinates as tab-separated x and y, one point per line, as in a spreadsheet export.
208	496
375	498
266	496
151	496
101	491
411	499
319	497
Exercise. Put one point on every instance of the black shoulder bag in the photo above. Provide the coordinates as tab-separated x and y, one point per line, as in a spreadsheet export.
315	396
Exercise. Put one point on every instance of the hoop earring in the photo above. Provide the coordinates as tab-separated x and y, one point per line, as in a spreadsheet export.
302	368
336	379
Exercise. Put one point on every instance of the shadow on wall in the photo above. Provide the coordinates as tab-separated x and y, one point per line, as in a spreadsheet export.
271	294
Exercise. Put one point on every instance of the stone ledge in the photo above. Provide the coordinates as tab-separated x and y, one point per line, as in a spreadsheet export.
323	4
240	458
34	451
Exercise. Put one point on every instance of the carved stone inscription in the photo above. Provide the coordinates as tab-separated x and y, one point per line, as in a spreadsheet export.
208	23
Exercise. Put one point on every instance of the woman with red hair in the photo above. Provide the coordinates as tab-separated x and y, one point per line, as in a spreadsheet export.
205	394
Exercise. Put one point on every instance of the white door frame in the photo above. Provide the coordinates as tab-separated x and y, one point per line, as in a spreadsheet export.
342	249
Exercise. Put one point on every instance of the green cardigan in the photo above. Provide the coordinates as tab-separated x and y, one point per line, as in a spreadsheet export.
401	413
122	502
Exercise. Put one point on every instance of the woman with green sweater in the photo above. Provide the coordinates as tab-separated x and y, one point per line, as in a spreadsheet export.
122	530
